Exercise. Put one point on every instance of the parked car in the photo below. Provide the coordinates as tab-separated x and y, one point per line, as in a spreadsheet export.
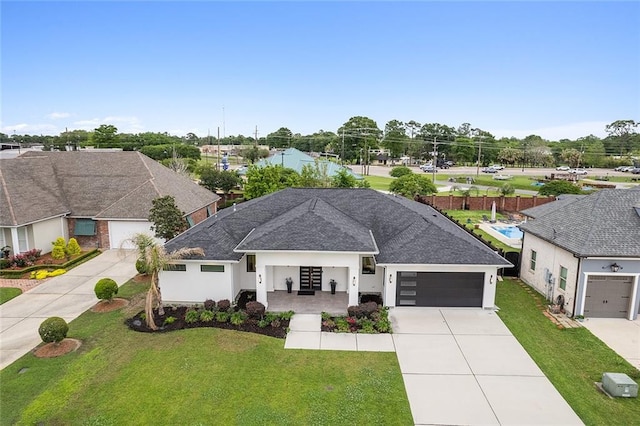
497	167
636	171
627	168
428	168
621	168
563	168
489	170
578	171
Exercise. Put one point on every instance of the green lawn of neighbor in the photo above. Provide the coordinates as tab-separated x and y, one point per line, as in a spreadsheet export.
518	182
8	293
573	359
199	376
381	183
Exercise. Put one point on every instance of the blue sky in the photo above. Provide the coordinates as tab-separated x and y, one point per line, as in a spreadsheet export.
556	69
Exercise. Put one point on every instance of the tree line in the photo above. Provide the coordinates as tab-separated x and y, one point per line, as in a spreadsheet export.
359	140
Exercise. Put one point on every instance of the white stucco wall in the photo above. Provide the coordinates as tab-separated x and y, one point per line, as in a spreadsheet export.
552	258
44	233
243	280
193	286
489	289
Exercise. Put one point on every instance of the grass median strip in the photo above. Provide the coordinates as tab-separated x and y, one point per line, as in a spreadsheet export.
8	293
573	359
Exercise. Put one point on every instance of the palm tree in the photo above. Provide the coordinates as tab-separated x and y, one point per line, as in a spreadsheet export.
156	259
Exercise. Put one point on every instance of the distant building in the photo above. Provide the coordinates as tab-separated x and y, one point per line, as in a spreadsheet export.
292	158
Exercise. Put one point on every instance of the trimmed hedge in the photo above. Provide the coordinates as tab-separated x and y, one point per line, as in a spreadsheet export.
53	329
106	288
17	273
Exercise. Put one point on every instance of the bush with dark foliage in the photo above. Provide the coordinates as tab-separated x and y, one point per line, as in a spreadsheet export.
255	310
209	305
224	305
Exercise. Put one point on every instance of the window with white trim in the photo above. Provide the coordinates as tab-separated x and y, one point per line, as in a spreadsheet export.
22	240
532	264
563	277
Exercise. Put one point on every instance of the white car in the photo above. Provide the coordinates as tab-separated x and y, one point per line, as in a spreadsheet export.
563	168
627	169
428	168
497	167
578	171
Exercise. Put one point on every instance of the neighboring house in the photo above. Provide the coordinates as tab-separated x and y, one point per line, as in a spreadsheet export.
100	198
292	158
367	241
586	249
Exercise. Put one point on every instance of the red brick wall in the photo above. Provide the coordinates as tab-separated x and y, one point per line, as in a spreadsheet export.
201	214
503	204
100	240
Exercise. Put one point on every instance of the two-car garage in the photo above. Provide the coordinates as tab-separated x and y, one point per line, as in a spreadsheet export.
440	289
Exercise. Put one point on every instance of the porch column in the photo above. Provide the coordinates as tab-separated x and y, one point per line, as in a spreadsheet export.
15	247
261	284
353	285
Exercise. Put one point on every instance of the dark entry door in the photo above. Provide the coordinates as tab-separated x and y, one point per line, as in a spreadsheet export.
311	278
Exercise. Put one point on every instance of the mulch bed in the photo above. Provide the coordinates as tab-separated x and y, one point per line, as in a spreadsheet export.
106	306
250	325
52	350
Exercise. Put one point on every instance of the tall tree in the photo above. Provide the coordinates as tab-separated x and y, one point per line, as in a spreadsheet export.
281	138
411	185
620	133
265	180
395	138
360	135
168	221
156	259
105	136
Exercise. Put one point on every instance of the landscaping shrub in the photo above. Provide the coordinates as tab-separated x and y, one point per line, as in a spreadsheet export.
224	304
105	289
262	323
400	171
60	242
238	318
24	259
368	308
222	316
58	252
209	305
255	310
169	320
355	311
141	267
206	316
366	326
53	329
4	263
73	248
192	316
286	316
56	272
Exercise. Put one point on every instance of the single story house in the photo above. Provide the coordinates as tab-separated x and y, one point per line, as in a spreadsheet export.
292	158
364	240
100	198
584	251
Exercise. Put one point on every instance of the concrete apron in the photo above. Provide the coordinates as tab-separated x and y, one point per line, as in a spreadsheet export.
65	296
463	366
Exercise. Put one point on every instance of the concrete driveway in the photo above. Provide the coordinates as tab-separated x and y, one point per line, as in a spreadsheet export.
463	367
621	335
65	296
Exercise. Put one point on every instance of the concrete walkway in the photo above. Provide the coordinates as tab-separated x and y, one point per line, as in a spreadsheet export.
65	296
621	335
463	366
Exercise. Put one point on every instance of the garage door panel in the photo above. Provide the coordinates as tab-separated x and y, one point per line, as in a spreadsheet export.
440	289
608	296
120	232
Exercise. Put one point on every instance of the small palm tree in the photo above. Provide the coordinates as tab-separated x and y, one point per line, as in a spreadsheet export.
156	259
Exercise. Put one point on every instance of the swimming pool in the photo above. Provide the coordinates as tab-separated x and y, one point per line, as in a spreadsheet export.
509	231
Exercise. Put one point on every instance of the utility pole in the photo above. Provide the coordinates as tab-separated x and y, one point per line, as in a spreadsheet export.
434	163
342	156
218	158
256	135
524	153
477	131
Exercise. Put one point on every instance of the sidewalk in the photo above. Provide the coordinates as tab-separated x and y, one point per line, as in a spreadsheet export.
65	296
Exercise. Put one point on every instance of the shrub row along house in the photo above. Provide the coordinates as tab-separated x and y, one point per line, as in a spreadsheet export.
583	252
363	240
100	198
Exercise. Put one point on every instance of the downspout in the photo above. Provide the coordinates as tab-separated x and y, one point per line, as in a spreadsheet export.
575	293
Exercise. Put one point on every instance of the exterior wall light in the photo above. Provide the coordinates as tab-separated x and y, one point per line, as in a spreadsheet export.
614	267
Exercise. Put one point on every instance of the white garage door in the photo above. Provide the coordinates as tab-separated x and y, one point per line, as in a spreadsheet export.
121	231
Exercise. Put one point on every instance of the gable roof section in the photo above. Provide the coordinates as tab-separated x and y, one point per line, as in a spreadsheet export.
29	191
116	185
350	220
559	203
602	224
292	158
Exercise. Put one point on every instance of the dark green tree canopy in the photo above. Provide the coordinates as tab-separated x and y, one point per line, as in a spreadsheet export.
557	187
411	185
168	221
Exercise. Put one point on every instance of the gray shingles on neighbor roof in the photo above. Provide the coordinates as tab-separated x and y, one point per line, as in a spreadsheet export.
99	185
602	224
337	220
559	203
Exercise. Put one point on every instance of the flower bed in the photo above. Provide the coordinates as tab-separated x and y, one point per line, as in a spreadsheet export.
252	319
367	318
45	261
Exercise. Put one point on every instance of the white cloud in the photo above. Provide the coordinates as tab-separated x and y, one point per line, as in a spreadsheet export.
555	133
31	129
58	115
124	124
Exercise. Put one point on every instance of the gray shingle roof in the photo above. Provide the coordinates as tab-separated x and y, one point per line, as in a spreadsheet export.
560	202
602	224
320	219
100	185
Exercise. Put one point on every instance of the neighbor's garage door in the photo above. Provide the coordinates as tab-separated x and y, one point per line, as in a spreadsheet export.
608	296
442	289
120	232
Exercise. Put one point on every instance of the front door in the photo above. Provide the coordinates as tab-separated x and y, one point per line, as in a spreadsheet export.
310	278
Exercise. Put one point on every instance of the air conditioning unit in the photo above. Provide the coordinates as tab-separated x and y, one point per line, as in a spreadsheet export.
619	384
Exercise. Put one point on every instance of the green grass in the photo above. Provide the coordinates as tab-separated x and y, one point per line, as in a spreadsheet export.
518	182
379	183
199	376
8	293
476	217
573	359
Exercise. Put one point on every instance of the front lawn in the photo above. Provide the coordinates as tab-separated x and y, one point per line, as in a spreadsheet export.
198	376
379	183
573	359
518	182
8	293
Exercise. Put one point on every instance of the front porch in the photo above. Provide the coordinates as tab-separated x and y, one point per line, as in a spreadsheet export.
321	301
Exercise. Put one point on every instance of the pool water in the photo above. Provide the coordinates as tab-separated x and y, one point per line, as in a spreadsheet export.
509	231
